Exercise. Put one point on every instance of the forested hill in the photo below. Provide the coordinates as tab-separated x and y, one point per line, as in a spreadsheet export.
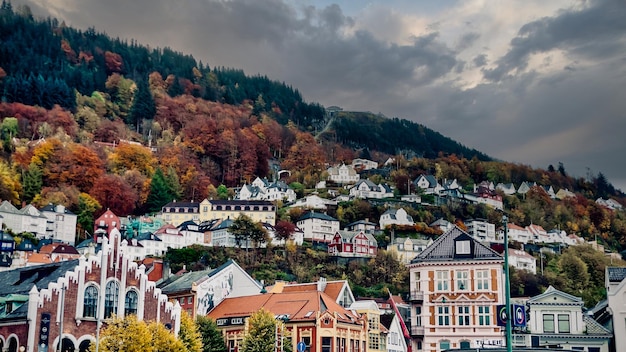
44	62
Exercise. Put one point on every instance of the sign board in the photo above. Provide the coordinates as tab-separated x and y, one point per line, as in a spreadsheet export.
44	332
301	346
501	315
519	316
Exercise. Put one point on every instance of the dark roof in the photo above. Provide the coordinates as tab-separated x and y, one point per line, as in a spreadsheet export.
5	237
176	204
240	202
616	274
443	249
52	209
360	222
25	245
314	215
183	282
386	320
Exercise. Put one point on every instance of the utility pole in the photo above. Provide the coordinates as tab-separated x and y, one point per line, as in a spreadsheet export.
507	286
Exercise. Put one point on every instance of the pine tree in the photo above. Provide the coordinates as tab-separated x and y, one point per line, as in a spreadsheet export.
144	107
160	193
32	181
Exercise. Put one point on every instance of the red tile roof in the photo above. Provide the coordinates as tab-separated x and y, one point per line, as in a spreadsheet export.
301	306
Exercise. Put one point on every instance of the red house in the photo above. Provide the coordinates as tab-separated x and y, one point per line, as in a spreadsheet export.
357	244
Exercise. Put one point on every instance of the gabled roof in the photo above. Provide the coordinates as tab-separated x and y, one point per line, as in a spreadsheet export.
332	288
616	274
551	291
7	207
297	306
53	209
361	222
314	215
183	282
443	249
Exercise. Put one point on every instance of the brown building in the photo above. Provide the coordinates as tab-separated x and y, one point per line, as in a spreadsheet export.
73	297
311	317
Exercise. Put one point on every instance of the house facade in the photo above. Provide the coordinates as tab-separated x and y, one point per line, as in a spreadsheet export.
615	283
456	285
521	260
366	189
257	210
176	213
27	219
71	299
353	244
408	248
395	216
481	229
317	321
428	183
61	223
344	174
556	318
318	227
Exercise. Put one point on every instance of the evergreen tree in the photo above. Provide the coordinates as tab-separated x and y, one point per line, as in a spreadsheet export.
212	340
160	193
144	107
175	189
32	181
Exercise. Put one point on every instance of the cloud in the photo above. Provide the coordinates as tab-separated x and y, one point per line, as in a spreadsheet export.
530	81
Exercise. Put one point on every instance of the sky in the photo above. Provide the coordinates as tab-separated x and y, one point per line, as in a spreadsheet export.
532	82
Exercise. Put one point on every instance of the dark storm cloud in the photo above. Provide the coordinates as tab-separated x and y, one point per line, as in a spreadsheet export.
594	32
480	60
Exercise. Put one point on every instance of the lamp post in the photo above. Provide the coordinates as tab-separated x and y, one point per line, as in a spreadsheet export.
507	286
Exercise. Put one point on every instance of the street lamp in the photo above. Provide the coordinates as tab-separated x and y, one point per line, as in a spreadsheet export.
507	285
281	321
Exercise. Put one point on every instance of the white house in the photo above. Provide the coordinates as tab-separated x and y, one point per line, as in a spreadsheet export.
61	222
611	204
429	184
506	188
522	260
395	336
364	164
481	229
192	234
442	224
615	283
313	202
557	319
365	189
408	248
343	174
262	189
540	235
517	233
395	216
318	227
27	219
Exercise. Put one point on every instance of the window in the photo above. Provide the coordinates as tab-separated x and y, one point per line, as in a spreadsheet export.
443	316
442	280
462	282
110	298
482	280
327	344
90	303
189	300
307	342
484	318
374	341
418	316
548	323
563	323
444	345
130	306
463	316
463	247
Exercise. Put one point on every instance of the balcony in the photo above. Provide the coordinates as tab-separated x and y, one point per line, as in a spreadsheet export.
417	331
416	296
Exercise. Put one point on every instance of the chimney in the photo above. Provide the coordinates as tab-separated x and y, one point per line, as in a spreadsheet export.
321	284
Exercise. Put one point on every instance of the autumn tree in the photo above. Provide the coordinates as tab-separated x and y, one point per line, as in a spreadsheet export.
125	335
114	193
189	333
261	332
9	183
87	207
284	230
129	156
212	339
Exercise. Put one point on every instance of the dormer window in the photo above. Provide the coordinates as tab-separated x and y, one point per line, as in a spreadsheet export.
463	247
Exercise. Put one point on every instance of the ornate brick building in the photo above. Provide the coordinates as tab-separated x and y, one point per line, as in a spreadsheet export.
73	298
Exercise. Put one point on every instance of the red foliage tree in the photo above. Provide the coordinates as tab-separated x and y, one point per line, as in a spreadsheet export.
114	62
114	193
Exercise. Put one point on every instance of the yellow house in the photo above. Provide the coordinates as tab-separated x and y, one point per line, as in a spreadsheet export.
257	210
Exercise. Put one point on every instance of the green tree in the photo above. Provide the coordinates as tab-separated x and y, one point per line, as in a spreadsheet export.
261	332
87	206
173	183
212	340
222	192
160	193
144	107
242	228
32	181
189	333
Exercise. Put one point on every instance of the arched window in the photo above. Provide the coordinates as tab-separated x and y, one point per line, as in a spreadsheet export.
90	303
110	299
84	346
131	302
